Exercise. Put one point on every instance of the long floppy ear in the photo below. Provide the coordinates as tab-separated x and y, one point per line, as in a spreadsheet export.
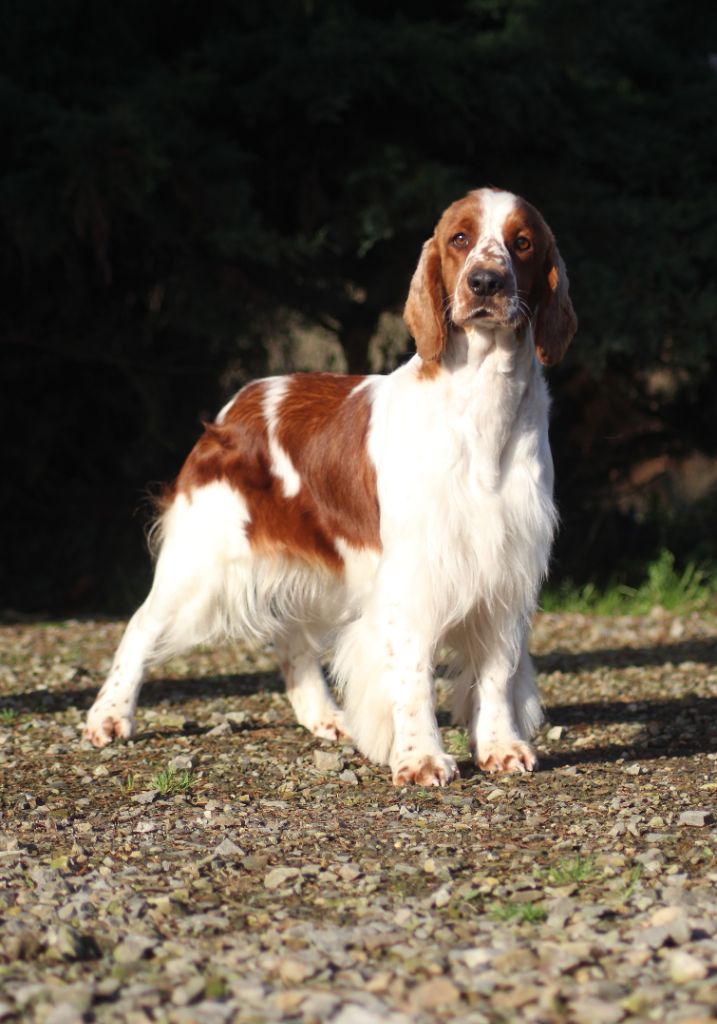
424	312
555	321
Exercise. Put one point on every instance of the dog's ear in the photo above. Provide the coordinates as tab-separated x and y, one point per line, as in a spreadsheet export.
555	320
425	312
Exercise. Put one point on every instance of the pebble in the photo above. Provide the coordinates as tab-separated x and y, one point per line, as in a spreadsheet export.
228	850
596	1011
429	995
328	761
696	818
133	947
685	967
279	877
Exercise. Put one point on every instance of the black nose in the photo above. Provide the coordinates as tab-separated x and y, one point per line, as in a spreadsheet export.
486	282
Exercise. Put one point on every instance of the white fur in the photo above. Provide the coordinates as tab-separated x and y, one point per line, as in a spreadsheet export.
281	465
465	488
464	480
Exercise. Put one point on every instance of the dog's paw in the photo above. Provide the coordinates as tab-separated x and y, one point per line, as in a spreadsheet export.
510	756
106	724
436	769
329	726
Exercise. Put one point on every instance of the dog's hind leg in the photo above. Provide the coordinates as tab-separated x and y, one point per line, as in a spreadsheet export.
203	541
306	687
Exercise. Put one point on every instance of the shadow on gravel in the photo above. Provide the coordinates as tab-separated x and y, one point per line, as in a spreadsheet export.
610	755
156	691
702	651
673	728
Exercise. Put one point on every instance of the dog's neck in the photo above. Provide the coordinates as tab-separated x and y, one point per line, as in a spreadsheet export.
509	351
490	372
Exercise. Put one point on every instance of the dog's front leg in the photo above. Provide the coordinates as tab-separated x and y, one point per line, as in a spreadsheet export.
507	712
383	665
417	755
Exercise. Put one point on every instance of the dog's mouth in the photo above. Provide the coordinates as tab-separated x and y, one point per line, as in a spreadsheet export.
506	315
485	315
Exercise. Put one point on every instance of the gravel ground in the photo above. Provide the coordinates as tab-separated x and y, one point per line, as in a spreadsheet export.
225	866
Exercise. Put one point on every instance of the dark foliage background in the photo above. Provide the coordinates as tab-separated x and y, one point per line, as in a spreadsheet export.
179	178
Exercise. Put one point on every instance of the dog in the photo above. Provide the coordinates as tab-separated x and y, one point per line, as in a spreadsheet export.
384	517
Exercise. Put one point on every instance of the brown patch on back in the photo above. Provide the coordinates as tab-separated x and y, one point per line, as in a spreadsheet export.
323	429
323	426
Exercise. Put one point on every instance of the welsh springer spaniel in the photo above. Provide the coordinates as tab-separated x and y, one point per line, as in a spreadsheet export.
386	517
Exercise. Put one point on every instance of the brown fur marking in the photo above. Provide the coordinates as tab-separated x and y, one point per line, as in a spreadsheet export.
323	429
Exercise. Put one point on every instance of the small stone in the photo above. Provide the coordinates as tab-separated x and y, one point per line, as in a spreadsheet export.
220	730
287	1003
107	987
278	877
172	720
148	797
633	769
349	872
64	1013
182	763
473	958
429	995
328	761
228	850
379	982
696	818
556	732
516	998
596	1011
349	777
189	992
294	971
132	948
67	942
237	719
441	897
675	919
685	967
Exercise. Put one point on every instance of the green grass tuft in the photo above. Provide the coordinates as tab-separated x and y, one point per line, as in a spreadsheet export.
128	785
170	781
664	586
633	879
572	869
457	743
522	913
8	716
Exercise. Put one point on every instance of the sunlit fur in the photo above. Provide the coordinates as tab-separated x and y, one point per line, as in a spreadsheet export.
463	483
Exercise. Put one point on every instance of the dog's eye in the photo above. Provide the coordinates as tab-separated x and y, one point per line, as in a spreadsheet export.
522	243
460	241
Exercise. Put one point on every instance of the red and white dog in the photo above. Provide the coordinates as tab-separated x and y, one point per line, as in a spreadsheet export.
385	517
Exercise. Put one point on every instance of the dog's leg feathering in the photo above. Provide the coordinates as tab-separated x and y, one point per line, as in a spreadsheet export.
383	665
306	688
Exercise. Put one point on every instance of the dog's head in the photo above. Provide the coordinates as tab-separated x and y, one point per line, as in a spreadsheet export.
491	262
